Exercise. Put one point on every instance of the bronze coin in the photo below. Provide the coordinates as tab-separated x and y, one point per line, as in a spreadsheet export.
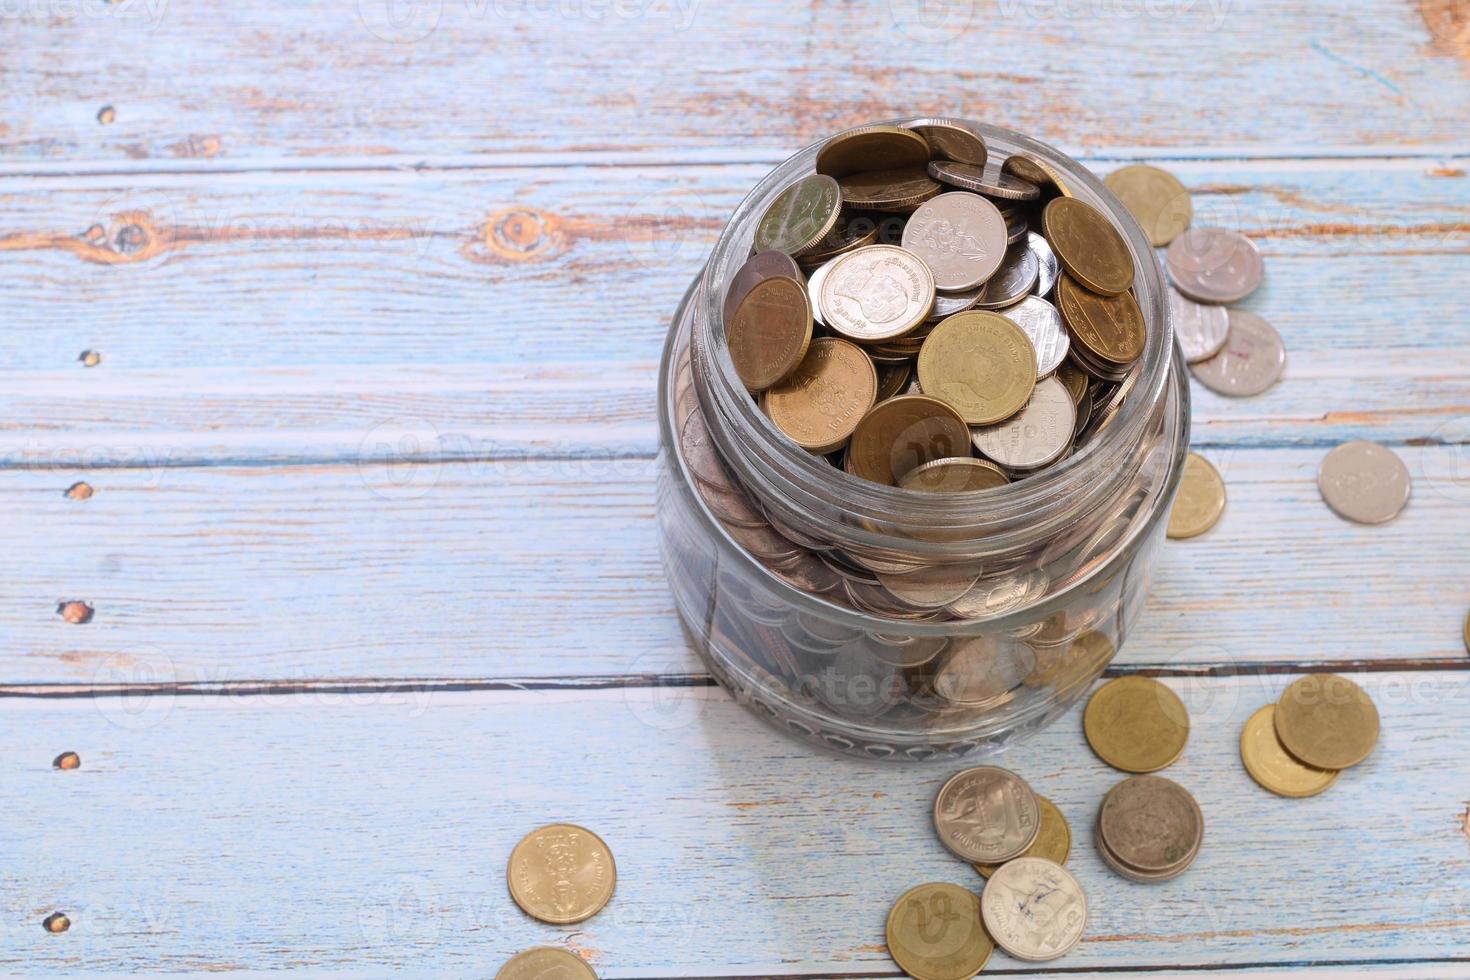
761	265
901	189
903	433
1109	327
820	403
950	139
871	148
1088	245
1327	721
770	332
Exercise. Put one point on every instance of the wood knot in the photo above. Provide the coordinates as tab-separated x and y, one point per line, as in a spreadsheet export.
56	922
89	358
106	115
131	236
81	490
75	611
67	760
517	235
1448	22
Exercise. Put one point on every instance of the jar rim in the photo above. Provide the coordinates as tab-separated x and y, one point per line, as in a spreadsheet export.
1039	497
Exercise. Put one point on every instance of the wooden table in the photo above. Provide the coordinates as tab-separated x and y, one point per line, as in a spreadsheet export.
375	298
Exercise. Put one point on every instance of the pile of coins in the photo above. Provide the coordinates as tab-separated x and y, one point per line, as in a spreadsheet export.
559	874
991	333
1322	724
1233	352
1148	828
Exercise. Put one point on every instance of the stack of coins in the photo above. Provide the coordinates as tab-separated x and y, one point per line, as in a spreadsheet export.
1148	828
1031	907
1297	747
928	318
1231	351
560	874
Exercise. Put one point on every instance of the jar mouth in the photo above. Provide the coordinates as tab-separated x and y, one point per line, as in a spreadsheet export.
777	470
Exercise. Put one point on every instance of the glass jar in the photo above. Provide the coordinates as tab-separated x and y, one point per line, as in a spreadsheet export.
773	554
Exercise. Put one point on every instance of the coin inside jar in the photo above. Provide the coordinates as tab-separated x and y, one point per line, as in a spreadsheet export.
1109	328
1047	267
1213	265
903	189
1364	482
981	363
1200	329
990	181
955	475
1054	842
1274	768
770	332
561	874
935	932
950	139
871	148
876	293
820	403
1201	499
1251	361
1015	277
898	435
1327	721
1034	170
987	815
760	266
1156	198
800	216
1035	436
1042	324
961	237
1089	248
1136	724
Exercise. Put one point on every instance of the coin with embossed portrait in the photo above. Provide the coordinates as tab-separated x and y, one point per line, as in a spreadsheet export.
961	237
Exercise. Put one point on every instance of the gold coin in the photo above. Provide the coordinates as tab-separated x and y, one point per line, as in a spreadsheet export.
1087	245
545	963
871	148
903	189
950	139
1327	721
934	932
820	403
800	217
1201	499
561	874
1467	633
956	475
1035	170
1156	198
981	363
1136	724
1053	842
1276	769
1111	328
905	432
893	378
1075	379
770	332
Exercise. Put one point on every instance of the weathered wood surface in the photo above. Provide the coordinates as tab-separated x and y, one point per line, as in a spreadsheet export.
209	833
548	570
374	80
521	311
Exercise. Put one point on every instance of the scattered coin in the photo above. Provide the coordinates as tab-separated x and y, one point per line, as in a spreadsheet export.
961	237
1107	328
561	873
67	760
954	475
1089	248
1054	842
876	293
981	363
1156	198
820	403
1042	324
800	217
1213	265
1037	435
1200	329
903	189
1327	721
1364	482
1269	764
1015	278
950	139
545	963
1201	499
1467	633
871	148
1136	724
935	932
905	432
1149	828
1034	909
1251	361
987	815
770	332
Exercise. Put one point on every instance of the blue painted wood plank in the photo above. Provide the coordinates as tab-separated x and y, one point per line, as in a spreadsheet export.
547	569
405	81
327	832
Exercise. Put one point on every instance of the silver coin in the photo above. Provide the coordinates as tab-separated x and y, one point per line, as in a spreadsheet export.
1364	482
948	304
987	815
1017	228
1212	265
1013	280
1048	269
1043	325
814	289
981	669
1201	329
1251	360
1034	909
983	180
961	237
1036	435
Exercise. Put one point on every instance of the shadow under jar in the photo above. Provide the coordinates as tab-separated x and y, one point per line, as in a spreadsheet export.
776	558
